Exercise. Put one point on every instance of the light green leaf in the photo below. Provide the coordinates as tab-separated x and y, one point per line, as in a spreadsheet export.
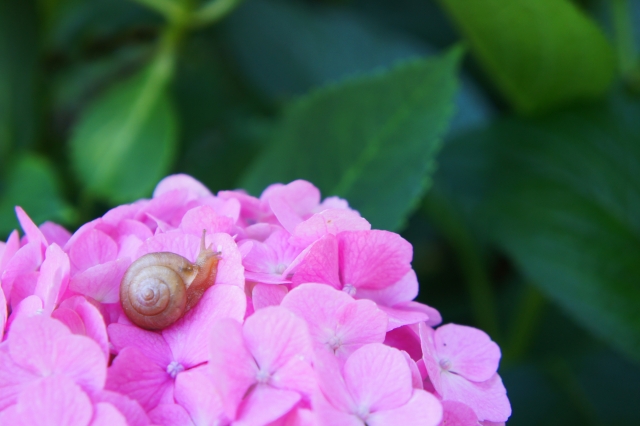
125	141
371	140
32	183
562	197
540	53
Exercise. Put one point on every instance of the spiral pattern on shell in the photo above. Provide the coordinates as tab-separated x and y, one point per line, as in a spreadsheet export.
153	290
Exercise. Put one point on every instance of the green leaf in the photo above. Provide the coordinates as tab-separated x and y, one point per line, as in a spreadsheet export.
19	65
562	197
371	140
125	141
539	53
32	183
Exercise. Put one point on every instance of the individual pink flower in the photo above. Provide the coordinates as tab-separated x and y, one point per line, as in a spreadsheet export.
461	363
262	368
356	259
337	323
269	261
57	400
148	362
39	347
374	387
196	401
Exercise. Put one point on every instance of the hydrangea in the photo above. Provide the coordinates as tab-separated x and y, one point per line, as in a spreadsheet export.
311	320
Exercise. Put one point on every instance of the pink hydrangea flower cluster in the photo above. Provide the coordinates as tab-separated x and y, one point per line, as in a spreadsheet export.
311	321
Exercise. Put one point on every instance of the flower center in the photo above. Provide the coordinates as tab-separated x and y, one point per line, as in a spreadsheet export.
263	376
334	343
349	289
445	364
174	368
279	269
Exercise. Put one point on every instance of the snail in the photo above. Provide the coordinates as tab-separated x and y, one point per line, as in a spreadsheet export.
159	288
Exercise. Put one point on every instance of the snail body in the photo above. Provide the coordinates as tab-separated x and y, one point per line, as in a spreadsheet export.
159	288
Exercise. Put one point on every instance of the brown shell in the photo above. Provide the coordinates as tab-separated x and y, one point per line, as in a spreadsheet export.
153	291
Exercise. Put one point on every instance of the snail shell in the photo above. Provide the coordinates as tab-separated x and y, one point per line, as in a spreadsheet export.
159	288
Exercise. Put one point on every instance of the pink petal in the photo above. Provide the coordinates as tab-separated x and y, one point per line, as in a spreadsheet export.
403	290
332	383
129	408
320	264
373	259
24	286
274	336
378	377
13	378
81	358
292	202
195	393
55	234
30	229
132	227
71	319
229	208
458	414
91	248
56	399
32	341
266	404
186	245
264	295
93	323
430	356
135	375
400	317
3	313
405	339
423	409
105	414
204	217
331	221
469	351
27	259
487	399
182	182
416	377
170	414
230	269
150	343
10	249
186	336
329	415
101	282
359	323
54	277
29	306
232	367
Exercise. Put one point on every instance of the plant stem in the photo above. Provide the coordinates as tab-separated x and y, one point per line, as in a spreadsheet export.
471	260
527	314
213	12
171	10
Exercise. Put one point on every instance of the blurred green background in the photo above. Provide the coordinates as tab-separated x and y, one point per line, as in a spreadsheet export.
500	137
